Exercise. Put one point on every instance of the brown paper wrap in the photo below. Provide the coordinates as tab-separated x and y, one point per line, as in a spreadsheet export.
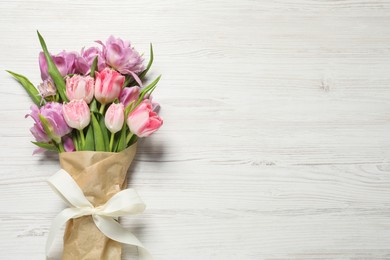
100	175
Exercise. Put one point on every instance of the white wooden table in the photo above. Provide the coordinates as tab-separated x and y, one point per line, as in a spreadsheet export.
276	142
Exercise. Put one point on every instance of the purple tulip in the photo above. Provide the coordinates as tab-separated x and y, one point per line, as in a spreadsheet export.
37	130
52	111
128	95
68	144
121	56
83	62
64	61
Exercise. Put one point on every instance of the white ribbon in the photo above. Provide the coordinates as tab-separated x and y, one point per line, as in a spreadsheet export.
125	202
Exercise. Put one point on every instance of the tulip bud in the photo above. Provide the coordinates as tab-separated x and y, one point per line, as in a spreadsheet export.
108	85
47	88
77	114
80	87
114	117
68	144
143	121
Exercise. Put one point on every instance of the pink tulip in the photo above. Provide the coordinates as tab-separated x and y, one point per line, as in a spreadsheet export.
77	114
143	121
80	87
114	117
128	95
108	85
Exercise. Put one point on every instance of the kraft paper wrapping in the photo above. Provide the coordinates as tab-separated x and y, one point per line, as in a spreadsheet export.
100	175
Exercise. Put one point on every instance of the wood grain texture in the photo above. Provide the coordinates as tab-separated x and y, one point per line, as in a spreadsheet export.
276	142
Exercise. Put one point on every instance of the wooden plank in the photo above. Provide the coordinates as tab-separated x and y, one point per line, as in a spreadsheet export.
275	143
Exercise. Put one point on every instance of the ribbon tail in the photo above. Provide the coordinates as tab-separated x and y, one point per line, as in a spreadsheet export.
57	223
112	229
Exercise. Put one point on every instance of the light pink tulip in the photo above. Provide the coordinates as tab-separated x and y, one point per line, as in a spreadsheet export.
108	85
80	87
114	117
77	114
143	121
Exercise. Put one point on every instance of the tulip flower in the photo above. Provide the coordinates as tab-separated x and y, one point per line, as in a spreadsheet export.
108	86
64	61
143	121
83	62
49	123
80	87
77	115
121	56
114	119
68	144
129	95
47	88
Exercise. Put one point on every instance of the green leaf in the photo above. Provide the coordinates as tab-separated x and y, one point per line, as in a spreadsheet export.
53	70
133	139
49	129
97	133
93	67
150	88
130	80
93	106
143	73
76	142
122	139
104	132
28	86
90	140
50	147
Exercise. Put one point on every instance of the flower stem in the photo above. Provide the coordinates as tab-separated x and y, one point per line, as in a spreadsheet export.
101	110
111	141
82	139
61	147
75	142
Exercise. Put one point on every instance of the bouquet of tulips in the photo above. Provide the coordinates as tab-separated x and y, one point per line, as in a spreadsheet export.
91	108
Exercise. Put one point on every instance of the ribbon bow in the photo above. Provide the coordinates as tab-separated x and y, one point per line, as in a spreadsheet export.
125	202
